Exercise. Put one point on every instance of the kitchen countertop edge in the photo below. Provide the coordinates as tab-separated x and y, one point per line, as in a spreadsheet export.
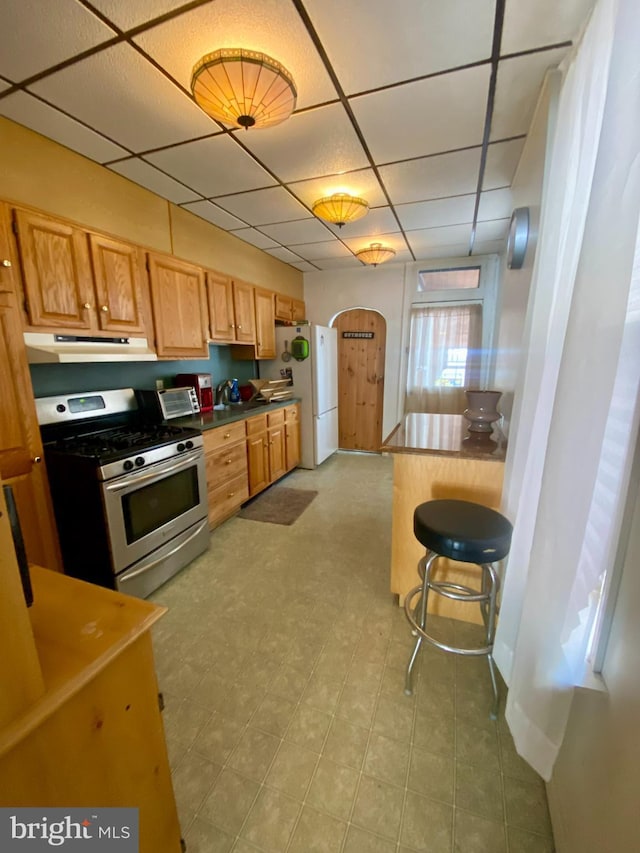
211	420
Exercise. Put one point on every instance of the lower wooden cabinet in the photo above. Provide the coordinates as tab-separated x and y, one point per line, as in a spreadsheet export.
226	463
292	435
266	450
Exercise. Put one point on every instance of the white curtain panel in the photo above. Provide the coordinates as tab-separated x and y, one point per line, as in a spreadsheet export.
580	322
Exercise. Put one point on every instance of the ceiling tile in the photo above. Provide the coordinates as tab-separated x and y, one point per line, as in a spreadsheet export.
126	14
304	266
264	206
360	182
350	262
4	84
490	247
320	142
502	161
213	166
432	177
212	213
430	214
539	22
36	35
291	233
285	255
273	27
378	221
250	235
433	36
430	238
122	95
495	204
518	86
452	252
46	120
426	117
148	176
318	251
493	229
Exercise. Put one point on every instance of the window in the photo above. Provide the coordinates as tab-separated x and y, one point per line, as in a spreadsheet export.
461	278
444	356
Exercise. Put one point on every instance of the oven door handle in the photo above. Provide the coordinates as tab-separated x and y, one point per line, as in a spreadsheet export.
135	480
134	574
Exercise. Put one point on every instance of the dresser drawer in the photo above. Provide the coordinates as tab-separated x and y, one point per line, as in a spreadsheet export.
228	498
225	464
223	436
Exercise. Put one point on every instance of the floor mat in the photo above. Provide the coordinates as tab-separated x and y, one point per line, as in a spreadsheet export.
278	505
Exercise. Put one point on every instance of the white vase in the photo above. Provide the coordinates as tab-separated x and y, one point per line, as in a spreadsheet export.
481	411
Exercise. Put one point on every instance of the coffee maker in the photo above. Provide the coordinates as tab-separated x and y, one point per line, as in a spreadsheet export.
203	384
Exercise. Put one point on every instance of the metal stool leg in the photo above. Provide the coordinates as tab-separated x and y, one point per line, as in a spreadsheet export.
424	568
491	584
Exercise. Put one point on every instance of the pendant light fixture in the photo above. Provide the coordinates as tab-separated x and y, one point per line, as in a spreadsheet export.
340	208
243	87
375	254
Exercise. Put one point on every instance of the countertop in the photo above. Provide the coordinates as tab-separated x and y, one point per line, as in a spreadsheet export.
235	412
444	435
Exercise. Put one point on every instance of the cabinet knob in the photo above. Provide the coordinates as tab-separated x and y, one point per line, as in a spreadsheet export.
239	327
87	305
227	434
231	494
37	459
227	461
103	308
232	325
5	262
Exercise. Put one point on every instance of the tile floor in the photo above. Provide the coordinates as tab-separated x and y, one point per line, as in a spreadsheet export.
282	663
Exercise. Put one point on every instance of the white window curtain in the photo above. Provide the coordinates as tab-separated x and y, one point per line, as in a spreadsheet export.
578	388
444	357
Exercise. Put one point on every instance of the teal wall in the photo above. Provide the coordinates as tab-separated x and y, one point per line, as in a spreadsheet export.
50	379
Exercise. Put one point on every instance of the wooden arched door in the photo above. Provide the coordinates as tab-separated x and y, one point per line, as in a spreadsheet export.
362	338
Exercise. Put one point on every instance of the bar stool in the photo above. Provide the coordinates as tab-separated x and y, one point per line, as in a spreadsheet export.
470	533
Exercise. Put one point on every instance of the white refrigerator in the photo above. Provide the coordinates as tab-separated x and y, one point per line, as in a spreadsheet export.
315	383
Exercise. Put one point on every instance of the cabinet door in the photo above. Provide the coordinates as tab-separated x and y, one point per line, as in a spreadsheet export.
298	310
244	310
277	453
56	272
283	307
292	436
258	462
118	284
265	325
220	298
179	308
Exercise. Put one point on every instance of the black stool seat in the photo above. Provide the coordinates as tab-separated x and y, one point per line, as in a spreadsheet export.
462	531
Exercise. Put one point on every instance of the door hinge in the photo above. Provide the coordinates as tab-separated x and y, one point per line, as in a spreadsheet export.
161	701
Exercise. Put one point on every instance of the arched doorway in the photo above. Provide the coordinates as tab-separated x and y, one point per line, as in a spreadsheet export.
362	335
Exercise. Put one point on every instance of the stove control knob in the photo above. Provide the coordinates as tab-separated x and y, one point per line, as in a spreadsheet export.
128	465
61	408
189	445
180	447
139	461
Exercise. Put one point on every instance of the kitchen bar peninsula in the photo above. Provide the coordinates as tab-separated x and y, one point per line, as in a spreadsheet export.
435	457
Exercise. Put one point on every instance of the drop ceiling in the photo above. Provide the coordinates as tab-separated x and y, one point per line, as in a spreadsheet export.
420	106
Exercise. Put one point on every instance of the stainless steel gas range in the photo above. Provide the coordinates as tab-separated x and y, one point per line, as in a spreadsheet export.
129	496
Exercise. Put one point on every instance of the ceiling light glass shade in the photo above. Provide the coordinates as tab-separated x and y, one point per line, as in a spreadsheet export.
340	208
376	254
243	87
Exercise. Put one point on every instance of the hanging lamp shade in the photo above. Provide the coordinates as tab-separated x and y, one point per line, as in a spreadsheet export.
243	87
376	254
340	208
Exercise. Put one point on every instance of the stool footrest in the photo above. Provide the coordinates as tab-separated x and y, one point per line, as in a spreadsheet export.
458	592
477	652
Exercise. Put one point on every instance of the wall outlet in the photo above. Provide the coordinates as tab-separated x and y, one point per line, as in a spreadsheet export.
159	384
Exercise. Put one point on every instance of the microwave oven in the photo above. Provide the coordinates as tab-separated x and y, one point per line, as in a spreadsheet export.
162	405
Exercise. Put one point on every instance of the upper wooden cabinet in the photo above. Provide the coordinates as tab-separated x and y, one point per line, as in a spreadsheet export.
179	303
79	280
118	270
265	324
231	309
298	310
287	308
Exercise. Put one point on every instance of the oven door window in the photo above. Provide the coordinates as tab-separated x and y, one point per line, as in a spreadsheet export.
150	507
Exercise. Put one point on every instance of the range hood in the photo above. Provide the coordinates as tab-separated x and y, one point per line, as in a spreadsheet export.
69	349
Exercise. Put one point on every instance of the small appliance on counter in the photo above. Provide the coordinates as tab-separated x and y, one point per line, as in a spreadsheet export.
167	403
202	383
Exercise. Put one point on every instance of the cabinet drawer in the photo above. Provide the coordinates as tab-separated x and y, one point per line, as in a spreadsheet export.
291	413
256	424
223	436
226	499
275	418
226	463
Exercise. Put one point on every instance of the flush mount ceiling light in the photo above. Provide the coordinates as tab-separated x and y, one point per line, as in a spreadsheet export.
243	87
340	208
376	254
